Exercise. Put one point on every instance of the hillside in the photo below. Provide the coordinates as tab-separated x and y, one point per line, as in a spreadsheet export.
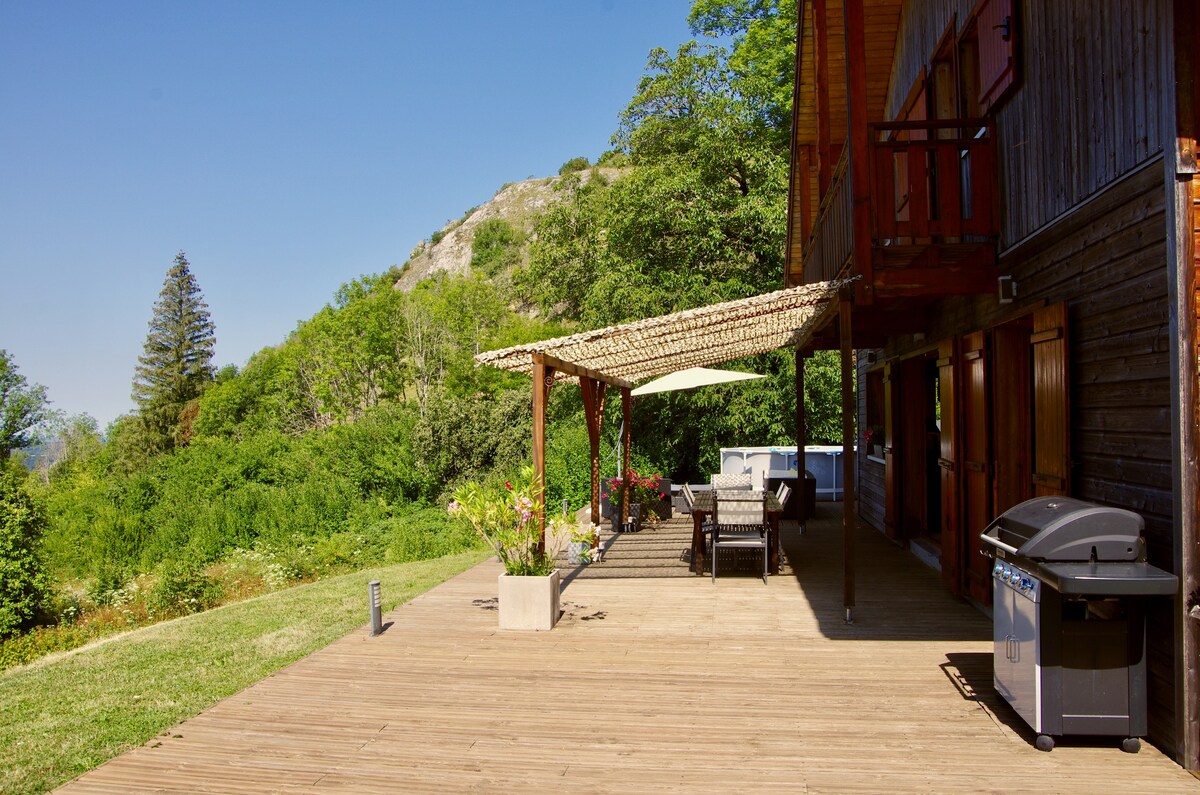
517	203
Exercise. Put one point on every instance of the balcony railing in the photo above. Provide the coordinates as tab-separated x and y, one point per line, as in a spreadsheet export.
932	180
932	184
829	246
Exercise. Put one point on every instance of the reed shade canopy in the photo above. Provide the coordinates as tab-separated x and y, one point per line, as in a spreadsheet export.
698	337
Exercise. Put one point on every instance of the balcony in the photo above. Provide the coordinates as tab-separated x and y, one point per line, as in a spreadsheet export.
933	213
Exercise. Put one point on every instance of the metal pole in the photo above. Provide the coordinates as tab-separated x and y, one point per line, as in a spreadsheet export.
376	602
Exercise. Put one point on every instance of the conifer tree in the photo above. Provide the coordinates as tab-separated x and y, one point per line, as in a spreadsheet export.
176	363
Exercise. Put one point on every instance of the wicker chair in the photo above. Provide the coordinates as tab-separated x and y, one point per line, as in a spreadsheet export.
740	522
738	481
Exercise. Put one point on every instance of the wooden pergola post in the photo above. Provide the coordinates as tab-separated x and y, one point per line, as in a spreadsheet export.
801	436
543	379
594	393
848	485
626	436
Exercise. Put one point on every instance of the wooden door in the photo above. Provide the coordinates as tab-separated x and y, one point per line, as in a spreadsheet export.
1051	411
976	455
912	448
1011	409
952	540
891	469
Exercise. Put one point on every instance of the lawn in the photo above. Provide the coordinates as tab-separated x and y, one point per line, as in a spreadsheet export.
65	714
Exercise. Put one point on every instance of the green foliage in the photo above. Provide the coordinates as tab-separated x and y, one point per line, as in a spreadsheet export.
496	247
176	364
24	586
506	519
23	408
182	589
574	164
613	158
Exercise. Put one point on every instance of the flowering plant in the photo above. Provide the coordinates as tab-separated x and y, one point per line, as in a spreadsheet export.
873	435
644	490
507	520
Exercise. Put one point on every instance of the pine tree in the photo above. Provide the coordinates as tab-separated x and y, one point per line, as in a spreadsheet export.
176	364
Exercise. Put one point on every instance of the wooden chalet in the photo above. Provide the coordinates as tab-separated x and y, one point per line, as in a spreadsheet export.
1014	186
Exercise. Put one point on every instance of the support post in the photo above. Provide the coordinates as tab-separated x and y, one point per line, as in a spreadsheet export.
801	438
848	482
859	142
825	158
593	405
626	416
543	379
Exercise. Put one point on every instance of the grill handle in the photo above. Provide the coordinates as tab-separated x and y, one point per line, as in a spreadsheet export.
993	540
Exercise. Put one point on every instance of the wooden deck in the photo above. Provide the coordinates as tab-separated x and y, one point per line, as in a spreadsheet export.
647	685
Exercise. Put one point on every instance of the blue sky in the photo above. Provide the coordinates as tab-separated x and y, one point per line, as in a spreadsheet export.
286	147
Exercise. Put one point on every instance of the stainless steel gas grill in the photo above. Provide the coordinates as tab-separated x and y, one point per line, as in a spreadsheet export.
1069	630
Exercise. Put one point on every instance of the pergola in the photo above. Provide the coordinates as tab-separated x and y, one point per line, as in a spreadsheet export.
619	356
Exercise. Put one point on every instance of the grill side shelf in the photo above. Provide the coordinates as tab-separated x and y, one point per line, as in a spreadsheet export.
1108	579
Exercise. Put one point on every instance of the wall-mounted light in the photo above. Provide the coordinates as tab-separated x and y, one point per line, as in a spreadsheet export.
1007	289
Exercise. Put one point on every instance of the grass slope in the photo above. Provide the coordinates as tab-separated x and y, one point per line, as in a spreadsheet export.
62	716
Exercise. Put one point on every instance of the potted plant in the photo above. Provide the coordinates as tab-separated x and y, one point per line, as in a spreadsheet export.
645	492
579	548
506	518
873	439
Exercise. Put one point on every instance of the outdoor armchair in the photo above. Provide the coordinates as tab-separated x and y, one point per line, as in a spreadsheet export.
740	522
738	481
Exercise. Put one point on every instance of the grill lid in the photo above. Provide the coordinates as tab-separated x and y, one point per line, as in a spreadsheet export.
1066	529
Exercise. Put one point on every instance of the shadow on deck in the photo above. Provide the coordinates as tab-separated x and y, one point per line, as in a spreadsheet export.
896	596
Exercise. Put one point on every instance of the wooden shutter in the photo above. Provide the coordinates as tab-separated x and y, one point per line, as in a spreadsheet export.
996	32
951	530
976	475
1051	410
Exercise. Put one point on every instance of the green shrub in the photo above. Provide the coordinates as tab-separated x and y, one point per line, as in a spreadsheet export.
24	585
574	164
613	158
496	246
182	589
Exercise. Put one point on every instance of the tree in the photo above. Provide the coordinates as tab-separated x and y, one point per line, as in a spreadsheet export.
23	408
176	364
24	585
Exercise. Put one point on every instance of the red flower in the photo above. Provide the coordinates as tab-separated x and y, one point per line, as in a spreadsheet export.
508	485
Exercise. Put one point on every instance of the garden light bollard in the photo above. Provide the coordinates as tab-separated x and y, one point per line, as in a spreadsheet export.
373	596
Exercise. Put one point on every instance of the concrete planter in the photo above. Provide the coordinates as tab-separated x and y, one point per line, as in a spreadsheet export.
529	603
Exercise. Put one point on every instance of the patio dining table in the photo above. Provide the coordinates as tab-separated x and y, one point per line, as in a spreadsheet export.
703	509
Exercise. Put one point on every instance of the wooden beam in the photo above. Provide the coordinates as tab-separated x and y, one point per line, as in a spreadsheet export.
914	282
859	132
579	371
593	406
845	323
801	437
626	439
824	140
543	379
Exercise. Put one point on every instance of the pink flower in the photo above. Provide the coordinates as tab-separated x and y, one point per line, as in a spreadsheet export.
453	507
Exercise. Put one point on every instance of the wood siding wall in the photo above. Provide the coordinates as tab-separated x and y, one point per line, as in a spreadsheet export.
1058	137
1107	261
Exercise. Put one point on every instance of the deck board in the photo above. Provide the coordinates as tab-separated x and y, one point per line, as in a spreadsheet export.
666	684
